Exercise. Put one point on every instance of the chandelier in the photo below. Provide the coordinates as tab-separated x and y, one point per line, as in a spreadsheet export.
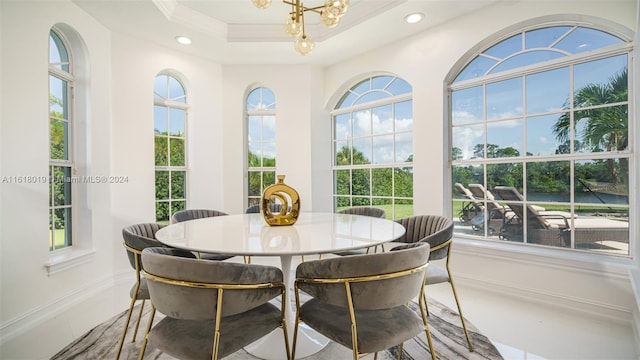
330	14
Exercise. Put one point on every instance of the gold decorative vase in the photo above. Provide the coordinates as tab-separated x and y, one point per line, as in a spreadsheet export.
287	197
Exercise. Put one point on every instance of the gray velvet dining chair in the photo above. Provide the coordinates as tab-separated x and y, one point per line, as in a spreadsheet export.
211	308
193	214
361	301
437	231
137	237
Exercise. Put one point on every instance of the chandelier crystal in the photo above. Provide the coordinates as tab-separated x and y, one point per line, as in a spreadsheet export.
330	14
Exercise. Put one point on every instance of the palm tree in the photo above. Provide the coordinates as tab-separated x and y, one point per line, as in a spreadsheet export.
606	128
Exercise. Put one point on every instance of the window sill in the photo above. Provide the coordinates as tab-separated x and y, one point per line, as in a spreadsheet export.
67	259
562	258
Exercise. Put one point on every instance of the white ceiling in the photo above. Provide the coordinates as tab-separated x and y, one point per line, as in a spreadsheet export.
237	32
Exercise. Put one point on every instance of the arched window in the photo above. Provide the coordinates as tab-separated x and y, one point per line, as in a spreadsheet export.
260	114
373	146
61	160
170	135
540	124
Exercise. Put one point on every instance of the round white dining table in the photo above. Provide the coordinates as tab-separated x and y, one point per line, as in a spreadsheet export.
249	235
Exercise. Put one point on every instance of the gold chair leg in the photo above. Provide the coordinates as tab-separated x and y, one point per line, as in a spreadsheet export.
400	349
423	311
464	325
135	332
143	347
126	323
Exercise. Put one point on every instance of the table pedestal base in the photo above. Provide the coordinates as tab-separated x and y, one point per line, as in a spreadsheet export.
271	347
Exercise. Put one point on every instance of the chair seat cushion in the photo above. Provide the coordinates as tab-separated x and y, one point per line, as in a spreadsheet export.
193	339
143	291
436	275
218	257
377	329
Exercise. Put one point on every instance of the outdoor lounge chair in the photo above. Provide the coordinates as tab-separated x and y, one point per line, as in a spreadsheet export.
555	227
497	213
470	208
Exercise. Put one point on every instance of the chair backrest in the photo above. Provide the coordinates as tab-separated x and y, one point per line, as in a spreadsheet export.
139	237
377	281
187	288
365	211
191	214
514	200
254	209
433	229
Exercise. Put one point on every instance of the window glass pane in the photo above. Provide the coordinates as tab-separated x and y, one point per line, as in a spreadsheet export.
602	181
383	149
548	181
254	128
58	55
545	37
504	138
162	212
343	182
178	185
467	174
527	58
253	99
362	87
160	119
176	91
268	179
360	182
476	68
381	82
347	100
162	185
342	126
343	153
177	122
541	137
506	174
404	116
362	151
467	105
399	87
61	185
382	120
269	153
371	96
342	202
362	123
403	181
255	155
160	87
547	91
506	47
504	99
177	206
58	99
361	201
602	129
254	183
584	39
62	218
404	147
58	137
268	128
161	151
382	182
268	99
601	82
468	141
176	152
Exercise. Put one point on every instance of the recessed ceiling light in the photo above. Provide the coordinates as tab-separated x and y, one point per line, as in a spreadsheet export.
183	40
414	18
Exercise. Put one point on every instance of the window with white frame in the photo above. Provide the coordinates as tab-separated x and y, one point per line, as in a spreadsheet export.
260	114
540	141
61	162
170	135
373	146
